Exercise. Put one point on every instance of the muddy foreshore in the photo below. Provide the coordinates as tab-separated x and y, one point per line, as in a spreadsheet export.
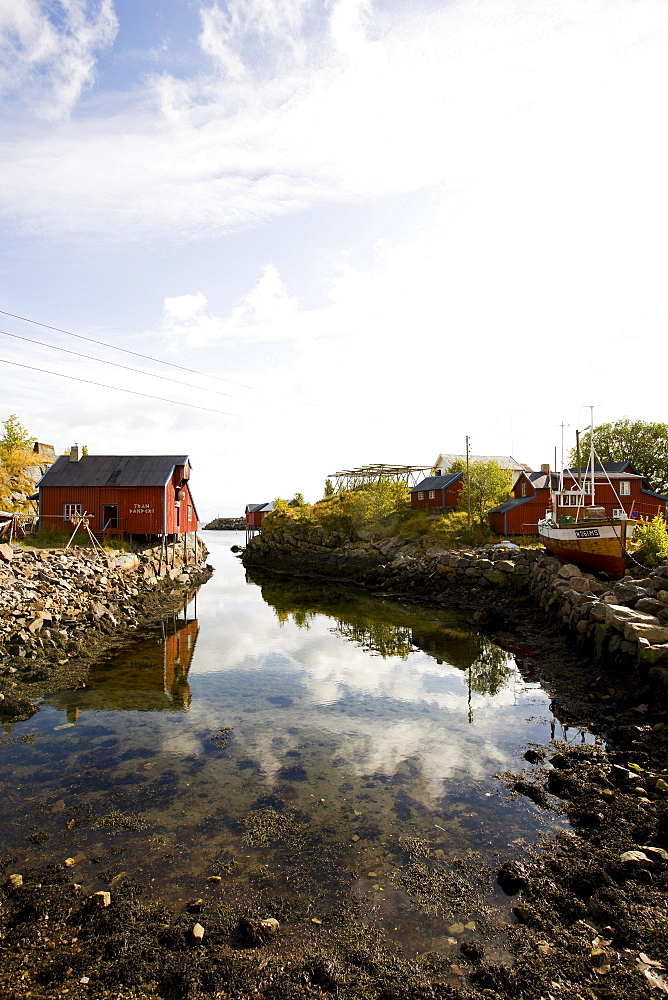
590	912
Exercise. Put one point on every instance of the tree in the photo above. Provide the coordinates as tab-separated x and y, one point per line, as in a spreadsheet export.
15	456
487	485
637	441
329	488
15	438
297	501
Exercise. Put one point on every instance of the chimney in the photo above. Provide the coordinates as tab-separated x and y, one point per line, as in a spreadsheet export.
545	469
75	453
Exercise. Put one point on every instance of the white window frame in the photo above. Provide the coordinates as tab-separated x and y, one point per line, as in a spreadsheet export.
523	489
625	488
421	495
432	494
71	508
619	514
190	512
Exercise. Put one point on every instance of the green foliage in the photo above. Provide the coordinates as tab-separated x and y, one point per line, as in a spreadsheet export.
16	455
651	540
645	444
487	485
329	488
370	507
374	502
15	437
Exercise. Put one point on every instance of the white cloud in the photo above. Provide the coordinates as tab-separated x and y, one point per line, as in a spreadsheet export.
508	101
47	55
240	36
266	313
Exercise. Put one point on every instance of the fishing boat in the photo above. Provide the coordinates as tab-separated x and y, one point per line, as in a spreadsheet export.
577	531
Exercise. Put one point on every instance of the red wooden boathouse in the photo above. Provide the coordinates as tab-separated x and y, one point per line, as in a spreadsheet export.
256	513
145	495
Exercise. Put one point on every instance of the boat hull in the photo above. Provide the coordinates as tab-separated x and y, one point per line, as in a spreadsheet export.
597	544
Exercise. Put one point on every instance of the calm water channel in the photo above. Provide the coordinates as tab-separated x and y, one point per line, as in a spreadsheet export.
291	737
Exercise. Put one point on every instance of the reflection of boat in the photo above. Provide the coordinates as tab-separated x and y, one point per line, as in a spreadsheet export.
150	675
582	533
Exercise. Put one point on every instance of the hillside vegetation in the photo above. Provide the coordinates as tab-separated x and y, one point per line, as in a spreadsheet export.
377	510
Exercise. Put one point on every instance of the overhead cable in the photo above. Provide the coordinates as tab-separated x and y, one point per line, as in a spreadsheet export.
128	368
146	357
117	388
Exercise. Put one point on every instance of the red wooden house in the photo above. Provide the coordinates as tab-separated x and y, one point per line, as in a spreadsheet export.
256	513
619	488
122	494
440	492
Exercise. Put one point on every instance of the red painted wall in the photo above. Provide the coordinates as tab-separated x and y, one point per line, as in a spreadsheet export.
523	519
140	508
451	498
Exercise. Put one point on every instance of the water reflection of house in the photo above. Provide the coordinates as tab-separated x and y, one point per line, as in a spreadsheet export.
458	649
150	676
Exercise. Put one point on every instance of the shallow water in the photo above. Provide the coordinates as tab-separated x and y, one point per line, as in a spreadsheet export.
291	738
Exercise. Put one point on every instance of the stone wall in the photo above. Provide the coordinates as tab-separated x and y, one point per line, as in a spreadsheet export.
53	602
626	619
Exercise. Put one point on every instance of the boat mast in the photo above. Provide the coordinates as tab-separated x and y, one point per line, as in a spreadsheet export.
591	452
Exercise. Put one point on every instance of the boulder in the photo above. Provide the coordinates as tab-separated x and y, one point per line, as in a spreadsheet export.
6	553
619	617
649	605
568	571
653	633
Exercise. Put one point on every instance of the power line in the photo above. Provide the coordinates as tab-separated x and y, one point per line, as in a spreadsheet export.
126	368
116	388
146	357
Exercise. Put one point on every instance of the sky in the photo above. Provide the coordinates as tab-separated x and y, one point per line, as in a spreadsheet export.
342	232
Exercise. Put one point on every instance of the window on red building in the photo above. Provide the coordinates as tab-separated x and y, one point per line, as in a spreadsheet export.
69	509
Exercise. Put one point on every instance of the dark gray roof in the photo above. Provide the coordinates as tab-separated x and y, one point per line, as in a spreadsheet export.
112	470
509	504
252	508
437	482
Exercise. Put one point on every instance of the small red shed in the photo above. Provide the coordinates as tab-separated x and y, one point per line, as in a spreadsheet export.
256	513
441	492
122	494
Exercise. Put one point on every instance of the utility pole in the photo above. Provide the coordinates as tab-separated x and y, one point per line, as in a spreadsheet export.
468	481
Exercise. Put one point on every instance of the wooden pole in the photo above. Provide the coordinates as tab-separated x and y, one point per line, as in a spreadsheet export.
468	484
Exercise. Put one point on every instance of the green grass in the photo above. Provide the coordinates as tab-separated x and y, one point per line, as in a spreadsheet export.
54	538
119	545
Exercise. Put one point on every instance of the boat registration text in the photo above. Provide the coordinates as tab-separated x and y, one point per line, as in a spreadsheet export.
587	533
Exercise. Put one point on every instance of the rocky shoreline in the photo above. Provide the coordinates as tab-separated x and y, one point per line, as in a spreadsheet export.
59	609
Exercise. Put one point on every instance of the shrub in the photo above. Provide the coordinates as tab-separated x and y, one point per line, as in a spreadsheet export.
651	540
